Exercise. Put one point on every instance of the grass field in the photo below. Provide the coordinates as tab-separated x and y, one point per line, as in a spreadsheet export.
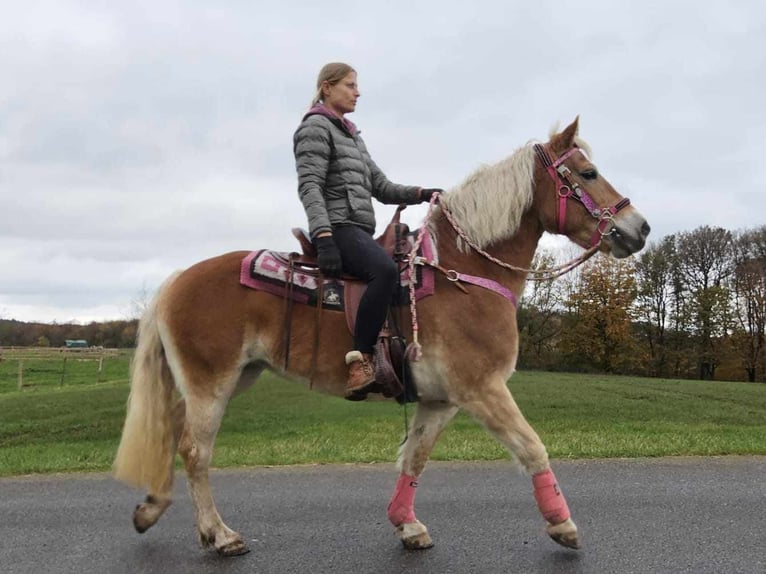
47	428
50	368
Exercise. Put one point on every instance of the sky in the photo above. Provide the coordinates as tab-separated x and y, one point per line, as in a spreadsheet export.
137	138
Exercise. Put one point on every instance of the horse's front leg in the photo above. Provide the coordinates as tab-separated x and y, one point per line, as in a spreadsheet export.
429	420
494	406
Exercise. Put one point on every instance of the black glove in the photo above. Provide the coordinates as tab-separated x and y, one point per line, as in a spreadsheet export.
330	263
427	192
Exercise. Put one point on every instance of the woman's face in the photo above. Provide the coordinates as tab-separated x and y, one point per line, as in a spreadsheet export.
342	97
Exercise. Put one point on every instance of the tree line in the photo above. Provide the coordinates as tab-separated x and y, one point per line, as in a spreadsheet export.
111	334
692	305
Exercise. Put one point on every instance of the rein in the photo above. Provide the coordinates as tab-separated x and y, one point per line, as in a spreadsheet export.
537	274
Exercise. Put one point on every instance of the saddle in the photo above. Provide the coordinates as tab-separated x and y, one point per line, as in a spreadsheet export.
296	277
393	240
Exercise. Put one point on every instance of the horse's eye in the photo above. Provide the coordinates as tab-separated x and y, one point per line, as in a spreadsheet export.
590	174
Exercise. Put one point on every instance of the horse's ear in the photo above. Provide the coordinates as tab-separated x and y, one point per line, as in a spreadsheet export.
565	139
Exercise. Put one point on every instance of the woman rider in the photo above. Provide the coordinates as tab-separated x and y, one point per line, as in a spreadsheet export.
337	180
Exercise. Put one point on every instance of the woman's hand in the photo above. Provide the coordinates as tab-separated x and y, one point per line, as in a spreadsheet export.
328	256
427	192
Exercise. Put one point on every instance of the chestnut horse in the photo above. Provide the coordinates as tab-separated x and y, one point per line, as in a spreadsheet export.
205	337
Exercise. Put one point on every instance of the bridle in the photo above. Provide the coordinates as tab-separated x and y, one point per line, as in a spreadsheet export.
567	188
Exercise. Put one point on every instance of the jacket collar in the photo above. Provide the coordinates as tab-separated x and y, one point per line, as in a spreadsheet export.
343	123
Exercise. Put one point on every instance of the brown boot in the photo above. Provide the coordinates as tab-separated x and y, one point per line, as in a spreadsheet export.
361	375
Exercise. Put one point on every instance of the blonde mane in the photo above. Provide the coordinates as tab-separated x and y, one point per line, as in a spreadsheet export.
490	202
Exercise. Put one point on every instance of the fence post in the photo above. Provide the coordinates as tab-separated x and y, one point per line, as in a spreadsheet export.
63	372
100	367
21	374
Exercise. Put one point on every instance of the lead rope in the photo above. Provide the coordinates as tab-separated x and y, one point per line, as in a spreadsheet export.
414	351
537	274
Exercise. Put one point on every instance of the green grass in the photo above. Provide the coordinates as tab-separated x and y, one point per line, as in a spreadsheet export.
77	427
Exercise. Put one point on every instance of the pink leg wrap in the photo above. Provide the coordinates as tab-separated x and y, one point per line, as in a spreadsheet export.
401	509
549	499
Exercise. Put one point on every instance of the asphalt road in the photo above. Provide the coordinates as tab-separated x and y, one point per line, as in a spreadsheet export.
700	515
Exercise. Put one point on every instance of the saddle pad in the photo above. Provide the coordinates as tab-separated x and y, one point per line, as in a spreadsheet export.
269	271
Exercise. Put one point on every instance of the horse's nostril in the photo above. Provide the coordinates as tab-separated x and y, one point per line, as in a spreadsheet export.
645	229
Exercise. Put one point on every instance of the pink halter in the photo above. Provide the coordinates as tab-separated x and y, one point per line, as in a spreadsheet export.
568	188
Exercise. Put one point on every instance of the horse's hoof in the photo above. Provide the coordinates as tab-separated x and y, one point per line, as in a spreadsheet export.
140	528
147	514
233	548
565	534
414	536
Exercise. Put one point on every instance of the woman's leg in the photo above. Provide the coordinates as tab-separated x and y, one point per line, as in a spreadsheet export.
364	258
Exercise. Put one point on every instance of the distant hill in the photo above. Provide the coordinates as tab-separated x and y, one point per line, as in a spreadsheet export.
114	334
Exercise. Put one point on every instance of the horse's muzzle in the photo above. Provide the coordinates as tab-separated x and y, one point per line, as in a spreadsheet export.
628	235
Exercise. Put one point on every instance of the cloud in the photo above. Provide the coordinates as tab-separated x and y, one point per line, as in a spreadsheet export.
137	138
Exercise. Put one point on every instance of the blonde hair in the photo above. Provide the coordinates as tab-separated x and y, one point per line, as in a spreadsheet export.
331	73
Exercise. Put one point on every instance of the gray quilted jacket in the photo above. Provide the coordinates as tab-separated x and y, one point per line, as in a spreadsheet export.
337	179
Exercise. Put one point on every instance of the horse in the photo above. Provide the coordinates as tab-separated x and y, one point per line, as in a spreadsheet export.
204	337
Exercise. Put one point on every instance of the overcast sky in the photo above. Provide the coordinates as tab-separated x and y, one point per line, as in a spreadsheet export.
137	138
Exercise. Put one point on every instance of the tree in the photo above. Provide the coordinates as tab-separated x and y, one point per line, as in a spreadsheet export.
599	331
749	286
539	319
654	275
704	265
140	302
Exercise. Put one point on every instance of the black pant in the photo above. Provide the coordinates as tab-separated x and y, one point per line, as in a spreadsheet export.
364	258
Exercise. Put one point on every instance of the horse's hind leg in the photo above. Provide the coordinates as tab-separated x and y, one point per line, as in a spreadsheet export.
494	406
148	512
430	419
203	419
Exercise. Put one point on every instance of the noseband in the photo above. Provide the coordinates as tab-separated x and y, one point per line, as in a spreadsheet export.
568	188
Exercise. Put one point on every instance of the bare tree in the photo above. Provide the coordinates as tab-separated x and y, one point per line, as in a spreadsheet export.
140	302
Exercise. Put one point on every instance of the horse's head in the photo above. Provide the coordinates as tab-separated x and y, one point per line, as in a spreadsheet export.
574	199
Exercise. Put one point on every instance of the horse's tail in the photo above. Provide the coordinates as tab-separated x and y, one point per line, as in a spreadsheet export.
147	448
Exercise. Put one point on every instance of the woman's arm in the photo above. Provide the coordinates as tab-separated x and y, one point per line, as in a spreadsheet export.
312	147
383	189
